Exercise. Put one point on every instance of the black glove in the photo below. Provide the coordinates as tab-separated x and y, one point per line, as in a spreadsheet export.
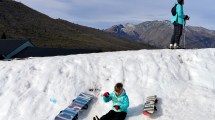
187	17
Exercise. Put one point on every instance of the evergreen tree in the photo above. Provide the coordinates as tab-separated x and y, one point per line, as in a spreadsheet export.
3	36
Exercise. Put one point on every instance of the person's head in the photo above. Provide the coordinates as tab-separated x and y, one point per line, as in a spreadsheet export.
181	2
118	88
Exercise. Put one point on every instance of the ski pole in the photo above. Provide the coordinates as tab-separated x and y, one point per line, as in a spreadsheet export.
184	34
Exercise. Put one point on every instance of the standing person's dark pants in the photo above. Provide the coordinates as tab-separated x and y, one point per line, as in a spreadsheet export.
177	33
112	115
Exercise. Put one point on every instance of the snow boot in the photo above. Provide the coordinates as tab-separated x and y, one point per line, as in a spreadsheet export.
176	46
171	46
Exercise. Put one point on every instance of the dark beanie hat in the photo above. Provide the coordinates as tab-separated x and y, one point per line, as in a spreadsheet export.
180	1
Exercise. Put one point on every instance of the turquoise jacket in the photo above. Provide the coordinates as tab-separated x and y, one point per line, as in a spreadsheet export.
179	17
122	101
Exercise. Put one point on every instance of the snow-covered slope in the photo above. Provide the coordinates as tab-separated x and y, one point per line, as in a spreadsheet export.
183	80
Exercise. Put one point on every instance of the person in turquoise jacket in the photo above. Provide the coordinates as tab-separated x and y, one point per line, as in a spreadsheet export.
120	103
178	22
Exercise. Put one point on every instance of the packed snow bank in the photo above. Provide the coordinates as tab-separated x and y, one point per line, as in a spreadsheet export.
183	80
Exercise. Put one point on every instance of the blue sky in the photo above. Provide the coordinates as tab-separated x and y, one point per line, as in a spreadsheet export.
103	14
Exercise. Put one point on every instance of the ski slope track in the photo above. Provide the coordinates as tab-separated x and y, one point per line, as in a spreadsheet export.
183	80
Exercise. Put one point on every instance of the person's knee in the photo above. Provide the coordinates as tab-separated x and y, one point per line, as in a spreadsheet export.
120	116
108	116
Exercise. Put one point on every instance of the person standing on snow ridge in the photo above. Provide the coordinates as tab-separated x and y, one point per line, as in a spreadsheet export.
178	22
120	103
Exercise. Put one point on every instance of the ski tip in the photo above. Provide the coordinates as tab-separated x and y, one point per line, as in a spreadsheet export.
146	113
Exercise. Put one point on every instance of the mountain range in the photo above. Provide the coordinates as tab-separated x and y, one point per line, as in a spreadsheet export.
18	21
158	33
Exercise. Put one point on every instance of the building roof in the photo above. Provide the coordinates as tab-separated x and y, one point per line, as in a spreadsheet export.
43	52
24	48
8	46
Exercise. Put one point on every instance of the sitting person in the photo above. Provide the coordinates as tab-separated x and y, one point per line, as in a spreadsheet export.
120	103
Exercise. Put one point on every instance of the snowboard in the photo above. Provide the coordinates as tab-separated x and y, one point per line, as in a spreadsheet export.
149	106
78	104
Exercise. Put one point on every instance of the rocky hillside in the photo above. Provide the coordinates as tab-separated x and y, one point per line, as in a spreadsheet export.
158	33
18	21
